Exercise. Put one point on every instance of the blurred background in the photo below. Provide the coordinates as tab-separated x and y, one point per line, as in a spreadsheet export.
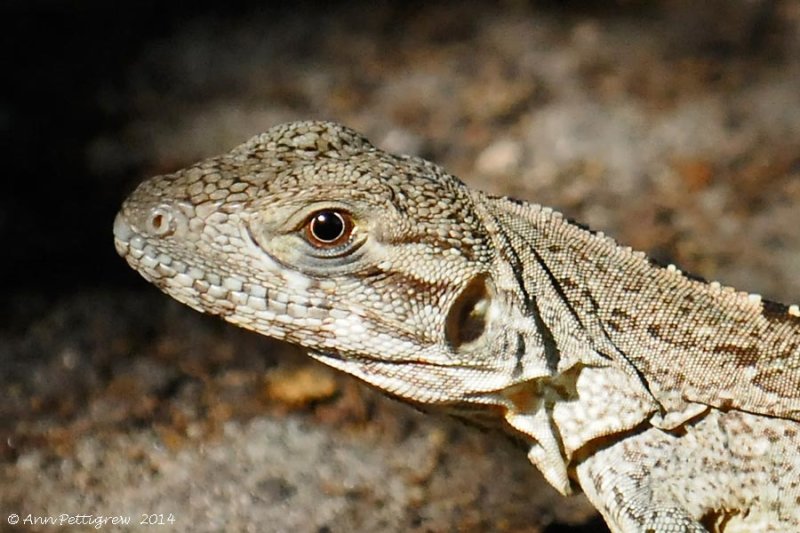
672	125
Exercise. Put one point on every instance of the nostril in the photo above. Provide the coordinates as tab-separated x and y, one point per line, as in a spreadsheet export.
161	222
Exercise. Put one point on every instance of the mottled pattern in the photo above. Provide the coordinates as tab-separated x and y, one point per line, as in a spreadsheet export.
734	470
673	403
693	341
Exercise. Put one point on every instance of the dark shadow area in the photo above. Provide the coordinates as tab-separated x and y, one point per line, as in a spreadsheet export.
64	66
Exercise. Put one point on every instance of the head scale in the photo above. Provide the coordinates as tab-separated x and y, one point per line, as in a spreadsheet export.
378	264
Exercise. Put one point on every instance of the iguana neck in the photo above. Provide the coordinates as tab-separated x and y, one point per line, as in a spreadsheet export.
651	320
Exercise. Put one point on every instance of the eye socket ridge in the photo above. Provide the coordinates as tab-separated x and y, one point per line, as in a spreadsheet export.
329	228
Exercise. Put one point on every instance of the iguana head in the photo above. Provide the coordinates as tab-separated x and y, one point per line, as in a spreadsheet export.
379	265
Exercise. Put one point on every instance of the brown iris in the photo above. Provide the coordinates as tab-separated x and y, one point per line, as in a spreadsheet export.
329	228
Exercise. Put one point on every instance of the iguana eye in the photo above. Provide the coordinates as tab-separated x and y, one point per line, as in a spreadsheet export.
329	228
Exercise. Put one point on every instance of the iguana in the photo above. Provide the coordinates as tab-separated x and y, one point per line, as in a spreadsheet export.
672	403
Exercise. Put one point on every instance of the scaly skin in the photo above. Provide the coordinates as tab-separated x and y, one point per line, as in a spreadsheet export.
673	403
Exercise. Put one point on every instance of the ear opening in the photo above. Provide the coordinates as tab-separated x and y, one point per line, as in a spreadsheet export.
467	319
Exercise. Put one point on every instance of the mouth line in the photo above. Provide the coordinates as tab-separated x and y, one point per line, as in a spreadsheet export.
405	362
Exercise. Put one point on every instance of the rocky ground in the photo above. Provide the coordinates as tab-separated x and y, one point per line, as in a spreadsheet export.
673	126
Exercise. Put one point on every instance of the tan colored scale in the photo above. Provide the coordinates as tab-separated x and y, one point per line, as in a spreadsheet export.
672	403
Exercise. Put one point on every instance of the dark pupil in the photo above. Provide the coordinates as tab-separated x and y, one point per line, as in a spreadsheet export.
327	226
